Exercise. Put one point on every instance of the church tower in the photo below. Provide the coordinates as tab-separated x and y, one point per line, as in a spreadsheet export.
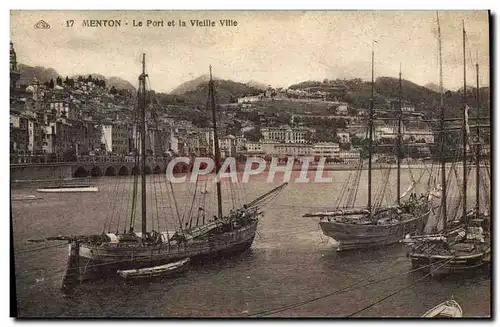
14	72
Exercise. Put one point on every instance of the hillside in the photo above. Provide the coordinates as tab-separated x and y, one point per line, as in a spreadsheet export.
191	85
386	89
194	84
30	74
117	82
257	85
434	87
226	92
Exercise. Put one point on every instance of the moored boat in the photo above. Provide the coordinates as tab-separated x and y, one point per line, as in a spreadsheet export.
68	189
362	232
196	236
376	224
157	271
26	198
468	245
447	309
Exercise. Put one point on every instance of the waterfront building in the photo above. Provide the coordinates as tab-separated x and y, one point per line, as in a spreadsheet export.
343	136
250	99
292	150
285	134
115	138
352	156
419	135
326	149
227	146
63	109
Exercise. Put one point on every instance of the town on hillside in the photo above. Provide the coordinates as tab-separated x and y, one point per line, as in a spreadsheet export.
84	118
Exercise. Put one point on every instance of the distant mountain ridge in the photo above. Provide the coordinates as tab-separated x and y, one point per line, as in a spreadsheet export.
30	74
193	84
227	91
117	82
257	85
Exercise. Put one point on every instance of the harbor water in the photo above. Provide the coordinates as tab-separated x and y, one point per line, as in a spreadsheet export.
290	261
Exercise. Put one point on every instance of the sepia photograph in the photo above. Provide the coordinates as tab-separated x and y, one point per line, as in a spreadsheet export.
250	164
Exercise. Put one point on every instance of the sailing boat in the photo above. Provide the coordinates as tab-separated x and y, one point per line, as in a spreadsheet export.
466	245
375	225
106	253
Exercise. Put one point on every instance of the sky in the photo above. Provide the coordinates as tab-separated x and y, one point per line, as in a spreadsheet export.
278	48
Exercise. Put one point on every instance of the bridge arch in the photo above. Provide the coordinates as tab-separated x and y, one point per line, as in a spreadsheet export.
123	171
81	172
135	170
110	171
147	170
157	170
96	171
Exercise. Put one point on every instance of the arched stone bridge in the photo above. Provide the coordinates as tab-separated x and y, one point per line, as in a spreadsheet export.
92	166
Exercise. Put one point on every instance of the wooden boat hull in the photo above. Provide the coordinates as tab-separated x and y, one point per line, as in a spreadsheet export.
68	189
352	236
448	309
99	261
451	265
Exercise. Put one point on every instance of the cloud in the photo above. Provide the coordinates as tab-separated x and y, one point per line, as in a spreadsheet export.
273	47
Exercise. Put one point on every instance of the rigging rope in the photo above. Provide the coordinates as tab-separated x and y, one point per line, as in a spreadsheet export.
399	290
347	288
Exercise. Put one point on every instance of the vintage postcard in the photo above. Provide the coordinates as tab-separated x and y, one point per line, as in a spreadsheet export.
252	164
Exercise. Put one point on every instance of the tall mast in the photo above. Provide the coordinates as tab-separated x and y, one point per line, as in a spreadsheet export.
464	131
442	132
211	93
370	140
478	144
143	144
400	117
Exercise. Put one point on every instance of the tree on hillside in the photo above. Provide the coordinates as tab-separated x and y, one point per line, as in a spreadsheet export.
51	83
253	135
345	146
59	81
309	137
254	117
352	111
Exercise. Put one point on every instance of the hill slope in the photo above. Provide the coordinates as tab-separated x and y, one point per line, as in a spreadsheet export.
191	85
29	74
117	82
195	92
194	84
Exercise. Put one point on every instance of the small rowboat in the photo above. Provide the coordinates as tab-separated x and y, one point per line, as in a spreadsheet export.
157	271
68	188
26	197
447	309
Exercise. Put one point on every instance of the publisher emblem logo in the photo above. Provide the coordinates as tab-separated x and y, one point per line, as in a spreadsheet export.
42	25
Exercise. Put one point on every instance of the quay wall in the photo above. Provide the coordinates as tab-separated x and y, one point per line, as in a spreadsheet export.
59	171
40	173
